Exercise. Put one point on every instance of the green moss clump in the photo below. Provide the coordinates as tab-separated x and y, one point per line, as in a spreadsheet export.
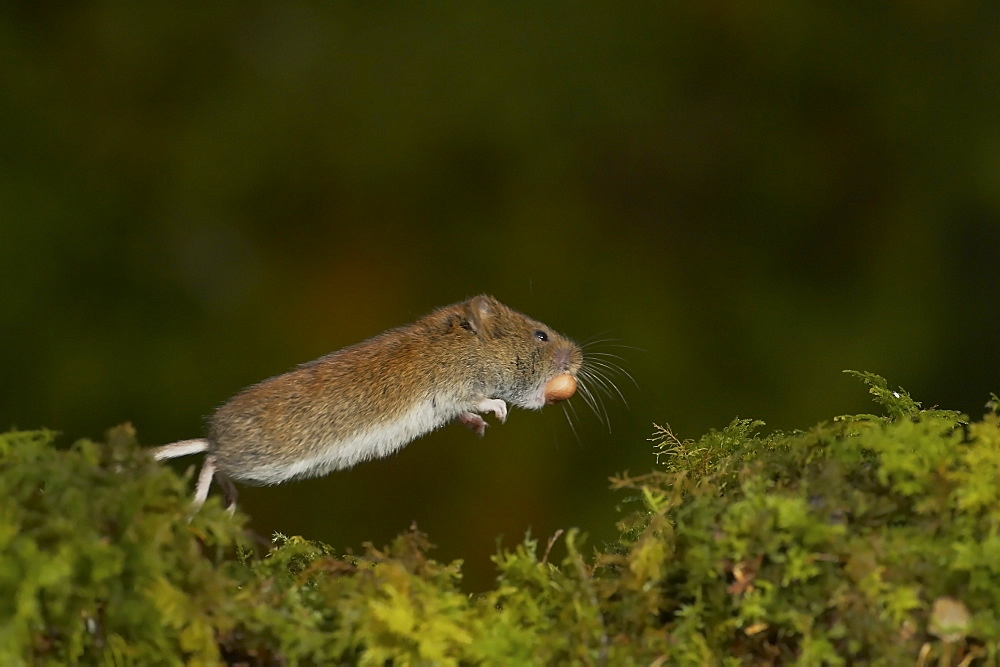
828	546
98	561
867	539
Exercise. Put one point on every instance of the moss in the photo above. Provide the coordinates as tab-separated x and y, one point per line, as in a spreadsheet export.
868	538
98	559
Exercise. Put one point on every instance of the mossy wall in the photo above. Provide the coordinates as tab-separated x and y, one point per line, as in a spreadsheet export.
865	539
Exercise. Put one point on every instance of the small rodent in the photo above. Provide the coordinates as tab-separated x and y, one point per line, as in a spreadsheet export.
371	399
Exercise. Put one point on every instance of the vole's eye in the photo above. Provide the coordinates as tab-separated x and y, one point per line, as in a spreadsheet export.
542	336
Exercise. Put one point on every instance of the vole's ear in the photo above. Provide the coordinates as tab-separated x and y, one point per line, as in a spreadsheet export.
481	310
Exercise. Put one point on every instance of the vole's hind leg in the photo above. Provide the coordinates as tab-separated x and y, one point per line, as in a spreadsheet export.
208	472
474	422
204	482
229	491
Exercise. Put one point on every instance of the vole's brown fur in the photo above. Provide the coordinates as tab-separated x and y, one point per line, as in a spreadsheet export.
370	399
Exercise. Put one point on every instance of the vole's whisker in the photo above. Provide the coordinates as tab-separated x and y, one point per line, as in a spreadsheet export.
604	409
607	386
567	408
611	389
590	400
624	372
599	353
612	369
608	357
598	369
604	365
593	399
595	339
611	342
599	382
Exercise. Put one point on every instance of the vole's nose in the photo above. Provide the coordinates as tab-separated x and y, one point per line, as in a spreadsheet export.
562	358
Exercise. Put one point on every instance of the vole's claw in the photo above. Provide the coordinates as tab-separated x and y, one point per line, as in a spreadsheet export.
494	405
474	422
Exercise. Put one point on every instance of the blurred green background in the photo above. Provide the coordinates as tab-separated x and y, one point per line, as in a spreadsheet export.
193	198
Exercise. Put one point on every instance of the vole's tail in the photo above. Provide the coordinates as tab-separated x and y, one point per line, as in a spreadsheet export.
180	448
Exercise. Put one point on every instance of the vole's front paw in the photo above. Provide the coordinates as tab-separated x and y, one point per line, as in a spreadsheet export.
475	423
494	405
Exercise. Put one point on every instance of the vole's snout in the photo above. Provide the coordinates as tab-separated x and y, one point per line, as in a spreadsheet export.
563	358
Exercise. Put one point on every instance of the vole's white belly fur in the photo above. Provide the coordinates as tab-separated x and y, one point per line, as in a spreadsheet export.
379	441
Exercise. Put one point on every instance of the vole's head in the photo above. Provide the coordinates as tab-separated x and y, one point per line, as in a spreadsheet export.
515	355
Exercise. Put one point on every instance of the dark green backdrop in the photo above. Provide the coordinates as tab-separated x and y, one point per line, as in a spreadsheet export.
192	199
